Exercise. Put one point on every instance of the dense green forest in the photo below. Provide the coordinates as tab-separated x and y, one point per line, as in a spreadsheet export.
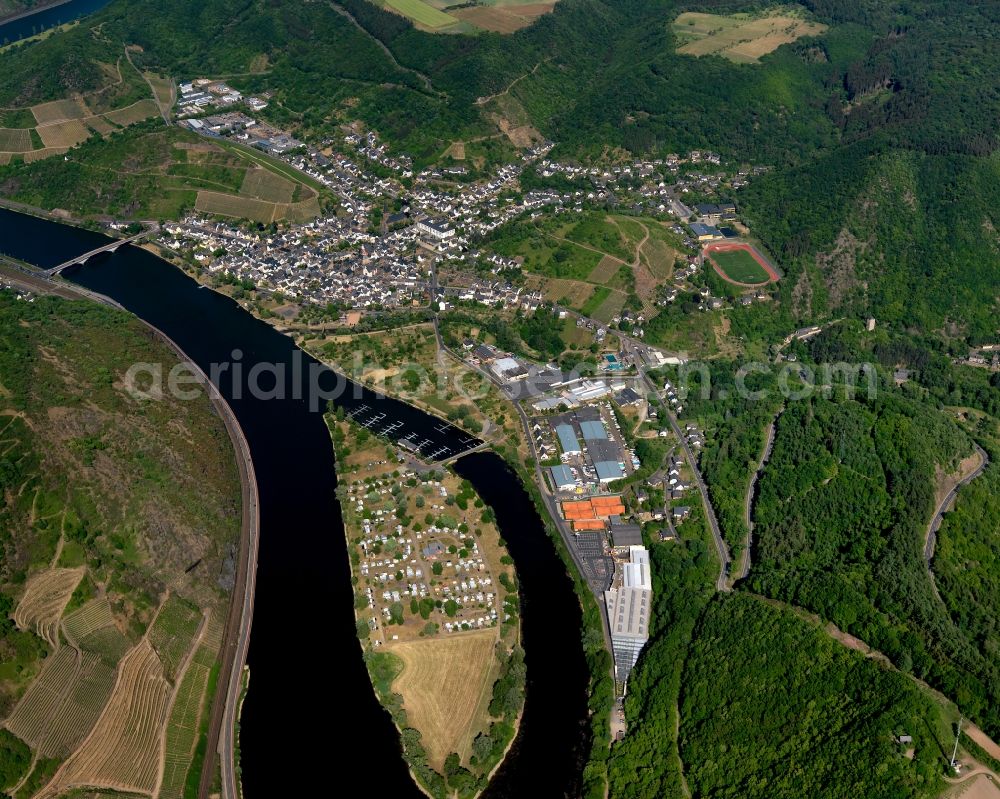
966	561
801	715
841	517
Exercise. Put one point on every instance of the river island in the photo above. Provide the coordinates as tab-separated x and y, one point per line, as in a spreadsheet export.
436	603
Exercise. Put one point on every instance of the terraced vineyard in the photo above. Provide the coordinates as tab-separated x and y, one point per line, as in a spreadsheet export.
45	598
122	752
63	703
172	633
91	617
188	712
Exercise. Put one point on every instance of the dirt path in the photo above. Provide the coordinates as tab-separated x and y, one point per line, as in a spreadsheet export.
389	54
512	84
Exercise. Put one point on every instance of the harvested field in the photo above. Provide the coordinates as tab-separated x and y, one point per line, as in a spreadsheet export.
503	18
92	616
606	269
212	202
446	686
15	140
739	38
45	598
144	109
60	110
263	184
123	752
64	134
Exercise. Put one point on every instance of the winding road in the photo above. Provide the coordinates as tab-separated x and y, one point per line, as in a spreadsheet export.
930	538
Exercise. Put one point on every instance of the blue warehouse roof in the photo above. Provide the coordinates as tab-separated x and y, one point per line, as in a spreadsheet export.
567	438
593	431
561	475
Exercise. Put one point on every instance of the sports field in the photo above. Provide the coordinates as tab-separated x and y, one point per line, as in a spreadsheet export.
740	264
422	13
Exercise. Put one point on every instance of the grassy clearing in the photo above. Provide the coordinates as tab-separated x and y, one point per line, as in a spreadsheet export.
740	37
422	13
601	293
445	685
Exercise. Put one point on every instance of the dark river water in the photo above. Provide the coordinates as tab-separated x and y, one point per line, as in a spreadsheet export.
311	716
48	18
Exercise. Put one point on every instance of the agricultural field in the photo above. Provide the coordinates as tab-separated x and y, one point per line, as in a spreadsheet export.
15	140
137	112
445	687
149	171
63	134
45	598
425	15
742	38
47	129
122	751
740	264
173	632
88	619
504	16
267	185
188	712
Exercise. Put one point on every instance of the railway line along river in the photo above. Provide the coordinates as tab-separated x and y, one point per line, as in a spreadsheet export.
311	722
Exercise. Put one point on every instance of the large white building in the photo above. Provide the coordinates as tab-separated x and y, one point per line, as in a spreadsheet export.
439	229
630	605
